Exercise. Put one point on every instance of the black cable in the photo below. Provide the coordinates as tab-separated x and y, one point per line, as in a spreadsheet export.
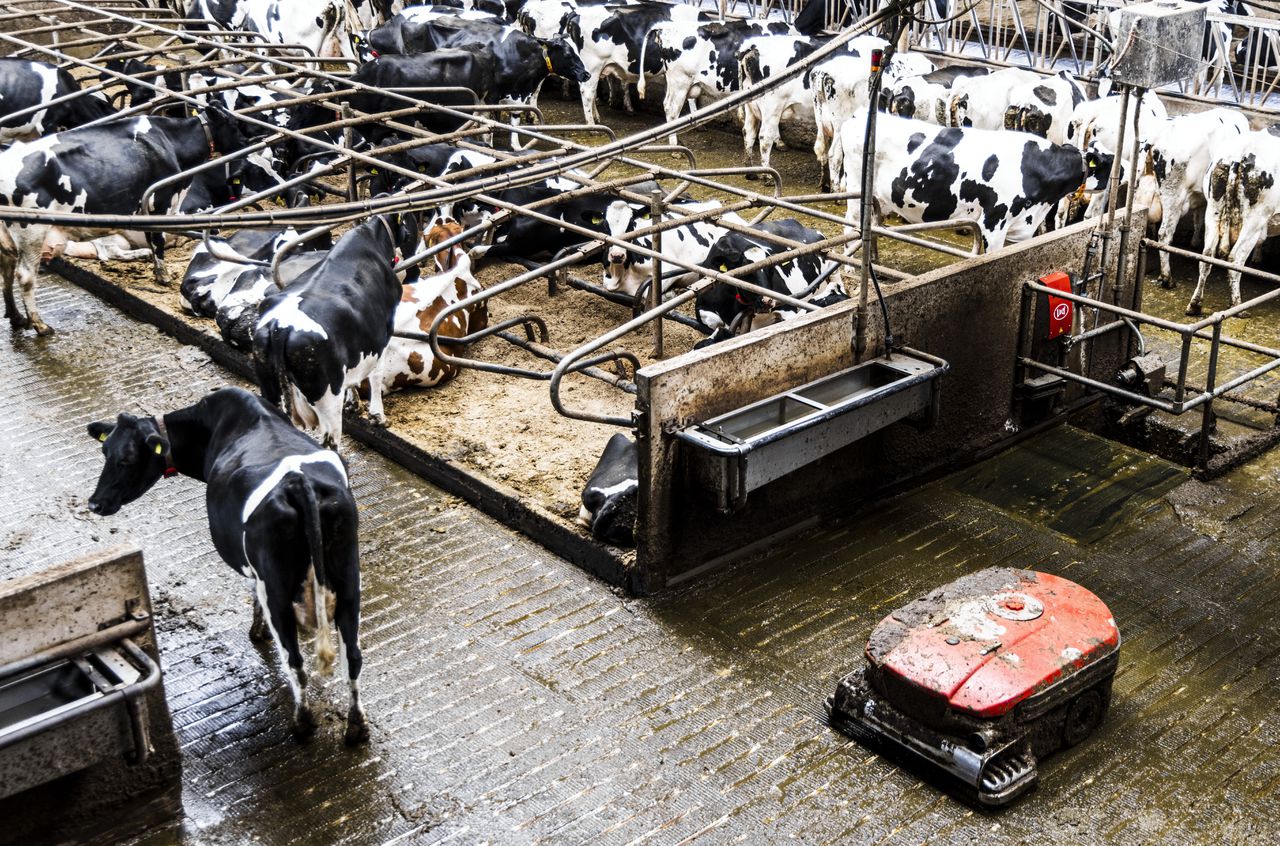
900	24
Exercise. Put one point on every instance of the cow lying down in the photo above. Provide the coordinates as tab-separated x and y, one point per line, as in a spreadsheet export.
609	499
280	512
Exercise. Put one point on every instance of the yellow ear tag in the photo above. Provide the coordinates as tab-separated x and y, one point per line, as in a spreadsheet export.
103	437
547	59
159	449
724	268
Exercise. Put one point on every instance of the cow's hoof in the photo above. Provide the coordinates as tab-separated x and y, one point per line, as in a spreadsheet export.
258	632
752	177
19	322
379	420
1242	314
357	731
304	724
43	329
1167	283
1194	309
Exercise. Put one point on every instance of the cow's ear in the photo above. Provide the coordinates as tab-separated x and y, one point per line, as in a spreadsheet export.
157	444
100	431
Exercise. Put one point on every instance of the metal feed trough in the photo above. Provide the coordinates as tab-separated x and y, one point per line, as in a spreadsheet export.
69	713
738	452
78	680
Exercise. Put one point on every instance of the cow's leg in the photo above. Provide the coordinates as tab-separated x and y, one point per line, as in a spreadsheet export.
1250	236
285	627
673	101
821	143
28	269
258	631
328	410
770	135
750	136
346	618
8	266
1172	209
376	414
588	92
1211	237
156	240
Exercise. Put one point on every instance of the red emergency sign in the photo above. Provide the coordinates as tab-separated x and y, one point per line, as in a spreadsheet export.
1060	310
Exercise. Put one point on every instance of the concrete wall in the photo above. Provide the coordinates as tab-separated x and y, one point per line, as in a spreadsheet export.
110	800
967	314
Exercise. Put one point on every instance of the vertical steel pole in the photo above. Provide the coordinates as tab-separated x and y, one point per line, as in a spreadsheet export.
1130	195
1113	188
868	197
655	281
348	141
1206	416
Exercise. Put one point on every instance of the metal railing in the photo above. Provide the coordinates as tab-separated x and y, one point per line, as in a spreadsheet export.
1240	62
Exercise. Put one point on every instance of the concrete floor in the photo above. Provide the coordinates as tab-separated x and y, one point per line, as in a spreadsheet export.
515	699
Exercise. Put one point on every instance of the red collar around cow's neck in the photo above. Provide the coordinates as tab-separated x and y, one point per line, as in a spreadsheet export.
169	469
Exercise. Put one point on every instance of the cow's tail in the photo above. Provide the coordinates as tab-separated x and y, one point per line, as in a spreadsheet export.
273	371
310	510
654	33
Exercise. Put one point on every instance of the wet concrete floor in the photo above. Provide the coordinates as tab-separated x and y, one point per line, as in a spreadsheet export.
515	699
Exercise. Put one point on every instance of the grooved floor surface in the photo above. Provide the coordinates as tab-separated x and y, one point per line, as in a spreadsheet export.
515	699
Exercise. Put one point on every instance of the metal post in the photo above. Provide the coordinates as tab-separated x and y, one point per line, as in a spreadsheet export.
655	280
1130	194
868	237
1184	359
348	141
1113	187
1206	414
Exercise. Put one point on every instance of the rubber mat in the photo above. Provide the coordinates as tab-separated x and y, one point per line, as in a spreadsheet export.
1075	483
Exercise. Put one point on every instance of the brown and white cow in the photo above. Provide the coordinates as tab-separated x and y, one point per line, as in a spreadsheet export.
411	363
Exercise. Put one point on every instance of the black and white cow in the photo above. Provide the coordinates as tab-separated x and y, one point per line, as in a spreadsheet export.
925	96
838	87
471	68
437	160
1179	151
280	512
609	498
1007	182
408	32
1044	107
522	237
760	58
689	243
980	102
697	59
611	40
1094	124
1242	193
99	170
725	310
326	333
322	26
25	85
521	62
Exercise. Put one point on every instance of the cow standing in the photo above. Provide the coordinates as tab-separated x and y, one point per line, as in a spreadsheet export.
25	84
280	512
1179	152
698	59
97	170
1006	182
326	333
322	26
1242	191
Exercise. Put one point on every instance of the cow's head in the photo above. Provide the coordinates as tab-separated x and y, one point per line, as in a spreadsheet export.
563	60
137	455
1097	167
225	132
361	48
903	102
441	230
619	218
721	305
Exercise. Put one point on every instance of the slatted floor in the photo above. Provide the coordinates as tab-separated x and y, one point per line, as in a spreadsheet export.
517	700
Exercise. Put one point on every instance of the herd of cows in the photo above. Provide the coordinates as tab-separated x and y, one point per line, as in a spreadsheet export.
1011	150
